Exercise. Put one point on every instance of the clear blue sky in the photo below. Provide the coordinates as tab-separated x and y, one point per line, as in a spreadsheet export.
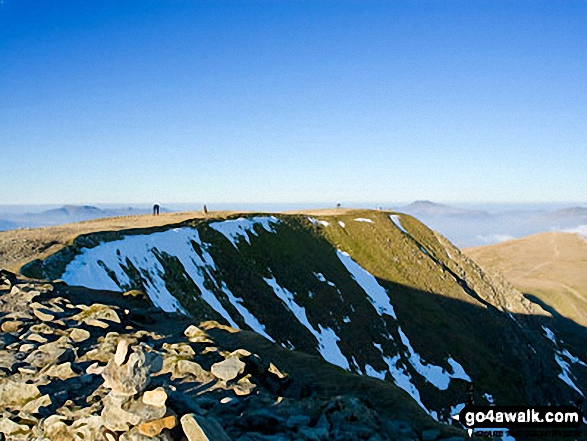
275	101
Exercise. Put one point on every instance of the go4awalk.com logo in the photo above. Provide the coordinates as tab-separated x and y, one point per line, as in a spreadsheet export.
555	419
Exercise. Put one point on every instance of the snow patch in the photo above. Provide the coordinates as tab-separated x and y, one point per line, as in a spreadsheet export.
326	337
375	292
565	375
90	268
321	278
436	375
342	224
565	366
362	219
234	229
396	220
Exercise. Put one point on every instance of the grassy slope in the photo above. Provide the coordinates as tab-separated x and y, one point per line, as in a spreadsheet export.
552	266
551	269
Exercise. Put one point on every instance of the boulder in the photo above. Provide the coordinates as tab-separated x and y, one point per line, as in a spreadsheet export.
155	427
156	397
79	335
199	428
228	369
16	394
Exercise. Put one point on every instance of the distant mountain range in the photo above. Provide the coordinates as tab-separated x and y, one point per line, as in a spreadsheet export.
468	228
464	226
64	215
429	208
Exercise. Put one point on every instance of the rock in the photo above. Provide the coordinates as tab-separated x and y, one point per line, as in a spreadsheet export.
27	347
79	335
121	352
11	326
274	370
199	428
55	429
180	349
87	428
129	379
244	386
228	369
155	427
240	353
51	353
32	407
15	394
43	316
187	367
62	371
42	328
27	370
135	435
36	338
95	369
193	331
97	312
156	397
9	427
115	417
96	323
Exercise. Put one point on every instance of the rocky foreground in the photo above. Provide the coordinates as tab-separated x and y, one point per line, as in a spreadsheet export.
70	370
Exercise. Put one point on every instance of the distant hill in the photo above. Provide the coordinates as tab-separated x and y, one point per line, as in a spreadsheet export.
469	228
67	214
550	268
570	215
429	208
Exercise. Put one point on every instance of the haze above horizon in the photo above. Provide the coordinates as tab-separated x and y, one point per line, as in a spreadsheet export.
265	102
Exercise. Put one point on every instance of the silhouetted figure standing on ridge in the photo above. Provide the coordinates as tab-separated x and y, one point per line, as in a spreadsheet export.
156	210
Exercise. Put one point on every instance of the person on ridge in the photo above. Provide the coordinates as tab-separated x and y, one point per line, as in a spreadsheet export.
156	210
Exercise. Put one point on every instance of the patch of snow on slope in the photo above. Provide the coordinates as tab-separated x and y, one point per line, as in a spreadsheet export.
375	292
362	219
565	374
396	220
403	379
323	222
326	337
321	278
141	250
549	334
342	224
235	228
572	358
435	375
455	410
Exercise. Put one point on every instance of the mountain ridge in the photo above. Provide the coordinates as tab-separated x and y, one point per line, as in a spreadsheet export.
305	272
